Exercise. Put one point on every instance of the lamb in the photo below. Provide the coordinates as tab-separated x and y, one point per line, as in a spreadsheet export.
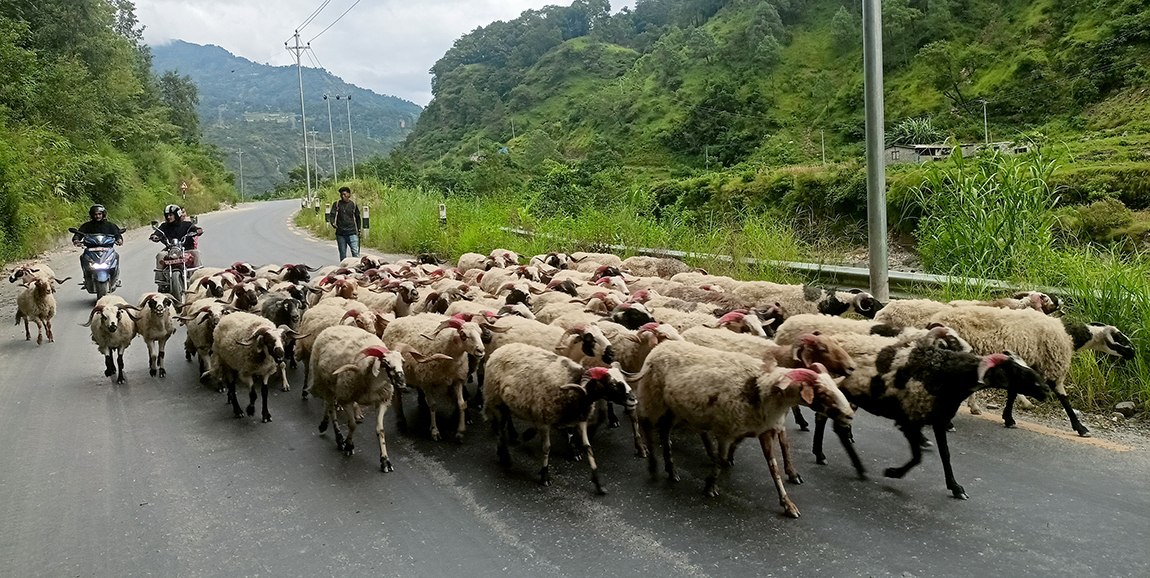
919	385
1046	343
550	391
797	299
114	332
343	379
729	396
35	302
445	343
656	266
156	325
247	346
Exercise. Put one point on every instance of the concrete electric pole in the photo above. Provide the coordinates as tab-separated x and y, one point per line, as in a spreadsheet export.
875	155
297	50
331	135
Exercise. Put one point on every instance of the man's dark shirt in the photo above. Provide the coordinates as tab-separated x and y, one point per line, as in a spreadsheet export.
97	228
177	230
347	220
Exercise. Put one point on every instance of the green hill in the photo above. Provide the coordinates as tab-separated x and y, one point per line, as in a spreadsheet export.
679	85
254	108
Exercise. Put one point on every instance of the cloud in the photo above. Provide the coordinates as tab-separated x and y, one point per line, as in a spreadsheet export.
386	46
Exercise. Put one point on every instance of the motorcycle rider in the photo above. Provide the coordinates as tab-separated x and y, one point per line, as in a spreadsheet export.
174	227
97	225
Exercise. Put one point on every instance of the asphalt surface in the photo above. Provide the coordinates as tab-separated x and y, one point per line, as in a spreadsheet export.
156	478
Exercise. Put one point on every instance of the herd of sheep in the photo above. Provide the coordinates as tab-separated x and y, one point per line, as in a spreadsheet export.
556	344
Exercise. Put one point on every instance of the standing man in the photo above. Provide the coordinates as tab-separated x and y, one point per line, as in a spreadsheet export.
344	216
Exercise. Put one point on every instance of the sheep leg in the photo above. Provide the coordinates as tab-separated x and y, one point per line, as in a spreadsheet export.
252	395
1074	423
914	437
151	357
109	364
267	416
707	445
400	417
27	330
817	445
119	366
427	399
306	375
163	343
384	461
766	441
944	453
800	420
645	428
39	331
974	402
502	426
848	441
327	417
545	472
612	419
640	449
788	467
1008	411
591	459
230	377
463	419
335	428
189	349
348	445
283	376
48	325
665	438
718	462
289	354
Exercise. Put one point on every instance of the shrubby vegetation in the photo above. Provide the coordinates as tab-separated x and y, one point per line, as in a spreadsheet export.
84	120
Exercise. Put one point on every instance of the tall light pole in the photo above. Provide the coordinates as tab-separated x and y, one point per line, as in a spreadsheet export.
331	134
985	126
875	155
350	142
298	51
241	175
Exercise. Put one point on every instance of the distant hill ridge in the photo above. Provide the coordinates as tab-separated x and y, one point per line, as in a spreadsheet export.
254	108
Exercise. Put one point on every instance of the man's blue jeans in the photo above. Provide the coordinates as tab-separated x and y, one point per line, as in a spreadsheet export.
345	241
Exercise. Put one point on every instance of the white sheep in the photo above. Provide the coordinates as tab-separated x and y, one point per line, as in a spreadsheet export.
444	344
247	346
910	312
549	391
680	320
697	279
352	366
156	325
201	323
1045	343
469	261
729	396
798	325
664	267
725	340
114	332
589	262
35	301
797	299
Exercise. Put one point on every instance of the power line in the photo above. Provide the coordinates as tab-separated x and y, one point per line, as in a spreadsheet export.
313	15
336	20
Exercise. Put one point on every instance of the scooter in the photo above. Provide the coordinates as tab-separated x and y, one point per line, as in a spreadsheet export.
100	263
177	264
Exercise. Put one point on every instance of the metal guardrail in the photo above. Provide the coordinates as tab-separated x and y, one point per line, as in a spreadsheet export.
902	283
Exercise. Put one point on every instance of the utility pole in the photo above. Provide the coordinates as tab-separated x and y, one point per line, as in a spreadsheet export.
512	129
875	157
350	142
298	51
985	126
823	135
315	157
241	175
331	134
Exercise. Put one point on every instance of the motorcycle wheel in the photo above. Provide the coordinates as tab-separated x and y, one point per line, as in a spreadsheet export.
101	289
177	286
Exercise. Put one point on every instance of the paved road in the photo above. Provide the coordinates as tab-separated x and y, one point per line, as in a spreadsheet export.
155	477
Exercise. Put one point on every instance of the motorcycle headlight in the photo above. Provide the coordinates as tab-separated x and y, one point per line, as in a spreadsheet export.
100	265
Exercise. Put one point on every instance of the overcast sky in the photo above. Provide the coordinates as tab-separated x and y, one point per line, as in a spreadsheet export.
384	45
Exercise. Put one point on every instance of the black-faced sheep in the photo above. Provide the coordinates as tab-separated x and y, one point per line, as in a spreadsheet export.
156	325
283	310
728	396
1046	343
113	332
352	366
549	391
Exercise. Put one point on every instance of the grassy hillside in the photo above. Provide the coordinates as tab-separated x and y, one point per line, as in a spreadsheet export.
231	88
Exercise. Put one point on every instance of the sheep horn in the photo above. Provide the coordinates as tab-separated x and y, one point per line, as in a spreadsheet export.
296	335
61	281
574	386
252	339
95	310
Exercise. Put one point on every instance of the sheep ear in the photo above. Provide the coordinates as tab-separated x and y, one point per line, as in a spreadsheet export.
808	393
375	365
806	355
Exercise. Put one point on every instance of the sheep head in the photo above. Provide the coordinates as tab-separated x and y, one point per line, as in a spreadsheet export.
380	358
1007	371
605	383
817	390
813	349
632	315
1109	340
591	343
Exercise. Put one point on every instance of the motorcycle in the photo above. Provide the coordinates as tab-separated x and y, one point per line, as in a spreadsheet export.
177	265
100	263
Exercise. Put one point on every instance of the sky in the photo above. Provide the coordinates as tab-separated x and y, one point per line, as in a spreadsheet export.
387	46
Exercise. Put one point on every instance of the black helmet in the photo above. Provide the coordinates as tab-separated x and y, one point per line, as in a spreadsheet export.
173	210
96	209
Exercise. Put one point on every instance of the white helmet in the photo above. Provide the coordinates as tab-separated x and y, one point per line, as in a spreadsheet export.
173	210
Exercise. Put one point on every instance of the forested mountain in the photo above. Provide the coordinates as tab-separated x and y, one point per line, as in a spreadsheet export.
254	108
692	83
84	119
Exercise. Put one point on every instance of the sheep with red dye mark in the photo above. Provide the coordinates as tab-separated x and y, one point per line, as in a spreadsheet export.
352	367
201	323
247	346
728	396
664	267
36	302
549	391
113	332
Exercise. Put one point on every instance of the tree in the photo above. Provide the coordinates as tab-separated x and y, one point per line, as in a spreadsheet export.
951	68
539	148
846	30
180	95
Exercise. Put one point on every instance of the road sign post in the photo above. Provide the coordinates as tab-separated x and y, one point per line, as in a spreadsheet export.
184	188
